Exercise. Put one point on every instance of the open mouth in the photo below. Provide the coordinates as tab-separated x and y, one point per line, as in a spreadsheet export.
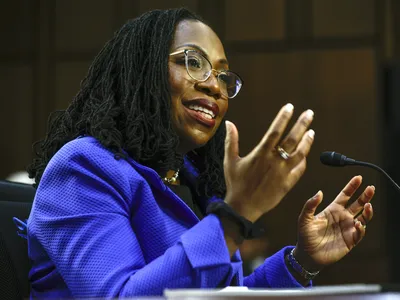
203	110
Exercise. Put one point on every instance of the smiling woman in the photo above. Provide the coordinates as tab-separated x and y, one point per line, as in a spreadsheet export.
199	100
140	186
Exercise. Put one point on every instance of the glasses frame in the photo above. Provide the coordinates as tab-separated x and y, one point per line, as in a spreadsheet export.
212	71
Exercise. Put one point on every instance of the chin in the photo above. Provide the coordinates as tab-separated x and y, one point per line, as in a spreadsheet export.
198	143
195	141
201	138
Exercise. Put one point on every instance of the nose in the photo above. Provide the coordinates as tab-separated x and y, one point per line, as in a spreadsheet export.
211	86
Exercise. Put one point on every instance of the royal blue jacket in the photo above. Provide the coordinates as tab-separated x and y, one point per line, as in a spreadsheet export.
102	227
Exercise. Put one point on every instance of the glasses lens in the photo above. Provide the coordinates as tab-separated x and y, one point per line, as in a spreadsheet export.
197	65
199	68
230	83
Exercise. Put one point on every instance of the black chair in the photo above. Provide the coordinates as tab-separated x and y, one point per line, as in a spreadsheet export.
15	201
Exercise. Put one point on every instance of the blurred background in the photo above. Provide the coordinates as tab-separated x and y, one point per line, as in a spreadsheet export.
337	57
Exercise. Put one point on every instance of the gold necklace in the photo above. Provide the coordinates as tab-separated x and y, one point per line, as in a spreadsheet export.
172	179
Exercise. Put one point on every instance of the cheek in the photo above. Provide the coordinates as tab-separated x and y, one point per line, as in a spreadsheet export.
223	108
176	81
178	86
175	89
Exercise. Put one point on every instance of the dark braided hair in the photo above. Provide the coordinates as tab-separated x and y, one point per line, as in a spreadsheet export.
125	103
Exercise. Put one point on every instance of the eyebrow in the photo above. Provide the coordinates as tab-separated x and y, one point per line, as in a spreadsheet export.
223	61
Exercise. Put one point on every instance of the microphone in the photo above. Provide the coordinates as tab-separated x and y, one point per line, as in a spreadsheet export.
335	159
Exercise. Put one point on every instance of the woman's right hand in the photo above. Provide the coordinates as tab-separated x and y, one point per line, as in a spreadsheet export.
256	183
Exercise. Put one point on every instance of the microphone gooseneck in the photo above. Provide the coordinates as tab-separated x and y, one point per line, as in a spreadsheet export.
335	159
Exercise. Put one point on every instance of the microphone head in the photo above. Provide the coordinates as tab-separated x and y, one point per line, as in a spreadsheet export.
331	158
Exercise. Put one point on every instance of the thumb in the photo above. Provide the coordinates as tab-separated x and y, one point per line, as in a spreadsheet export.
231	141
310	207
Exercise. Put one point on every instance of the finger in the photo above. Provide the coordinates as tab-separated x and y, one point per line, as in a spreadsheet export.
309	208
231	142
364	198
275	131
303	148
298	170
366	215
296	133
348	190
359	233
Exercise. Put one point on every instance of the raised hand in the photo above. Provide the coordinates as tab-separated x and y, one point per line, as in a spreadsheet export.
327	237
257	182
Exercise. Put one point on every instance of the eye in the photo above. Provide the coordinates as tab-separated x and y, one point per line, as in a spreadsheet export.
194	62
225	78
229	79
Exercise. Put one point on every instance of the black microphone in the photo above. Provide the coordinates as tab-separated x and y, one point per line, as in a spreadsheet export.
335	159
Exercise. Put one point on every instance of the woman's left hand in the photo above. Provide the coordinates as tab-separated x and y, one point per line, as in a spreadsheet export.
327	237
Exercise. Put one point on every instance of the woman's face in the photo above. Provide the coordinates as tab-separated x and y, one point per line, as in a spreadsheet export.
197	107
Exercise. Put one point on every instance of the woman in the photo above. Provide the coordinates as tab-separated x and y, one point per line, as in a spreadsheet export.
132	175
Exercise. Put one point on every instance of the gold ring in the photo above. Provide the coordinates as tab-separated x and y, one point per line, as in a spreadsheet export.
282	152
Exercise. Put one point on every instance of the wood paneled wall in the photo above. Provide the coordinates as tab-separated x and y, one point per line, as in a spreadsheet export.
318	54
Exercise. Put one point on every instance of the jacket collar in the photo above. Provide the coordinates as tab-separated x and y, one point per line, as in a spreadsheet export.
191	175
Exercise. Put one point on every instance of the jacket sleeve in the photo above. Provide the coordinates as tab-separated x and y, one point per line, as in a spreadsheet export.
273	273
81	218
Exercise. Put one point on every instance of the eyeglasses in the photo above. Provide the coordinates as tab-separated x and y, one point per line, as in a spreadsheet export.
199	68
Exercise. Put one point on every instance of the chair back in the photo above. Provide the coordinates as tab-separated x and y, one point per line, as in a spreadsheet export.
15	201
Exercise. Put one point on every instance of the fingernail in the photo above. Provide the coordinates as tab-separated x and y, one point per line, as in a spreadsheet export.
316	195
373	187
309	114
289	107
368	205
311	133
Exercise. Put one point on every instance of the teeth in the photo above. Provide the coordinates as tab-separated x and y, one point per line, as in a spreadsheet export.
207	116
206	112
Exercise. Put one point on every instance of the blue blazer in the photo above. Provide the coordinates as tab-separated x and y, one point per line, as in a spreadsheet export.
102	227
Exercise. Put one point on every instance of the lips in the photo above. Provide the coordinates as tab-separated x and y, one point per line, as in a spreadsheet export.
203	110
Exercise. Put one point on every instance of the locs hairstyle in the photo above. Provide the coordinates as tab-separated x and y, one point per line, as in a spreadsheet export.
125	103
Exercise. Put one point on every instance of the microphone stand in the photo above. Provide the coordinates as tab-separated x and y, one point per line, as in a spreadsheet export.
369	165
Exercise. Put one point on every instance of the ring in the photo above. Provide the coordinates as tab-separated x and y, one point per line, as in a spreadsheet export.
282	152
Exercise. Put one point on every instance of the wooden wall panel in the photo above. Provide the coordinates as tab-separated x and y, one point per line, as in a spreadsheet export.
125	10
16	117
146	5
255	20
16	30
68	78
339	18
83	26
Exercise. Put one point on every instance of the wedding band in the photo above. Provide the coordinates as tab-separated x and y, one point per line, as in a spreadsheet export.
282	152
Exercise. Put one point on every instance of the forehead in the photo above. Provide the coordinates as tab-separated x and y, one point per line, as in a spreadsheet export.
197	33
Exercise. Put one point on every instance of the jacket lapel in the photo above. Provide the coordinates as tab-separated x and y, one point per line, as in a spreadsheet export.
179	206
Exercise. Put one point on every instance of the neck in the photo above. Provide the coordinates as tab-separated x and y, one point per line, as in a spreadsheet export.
185	147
